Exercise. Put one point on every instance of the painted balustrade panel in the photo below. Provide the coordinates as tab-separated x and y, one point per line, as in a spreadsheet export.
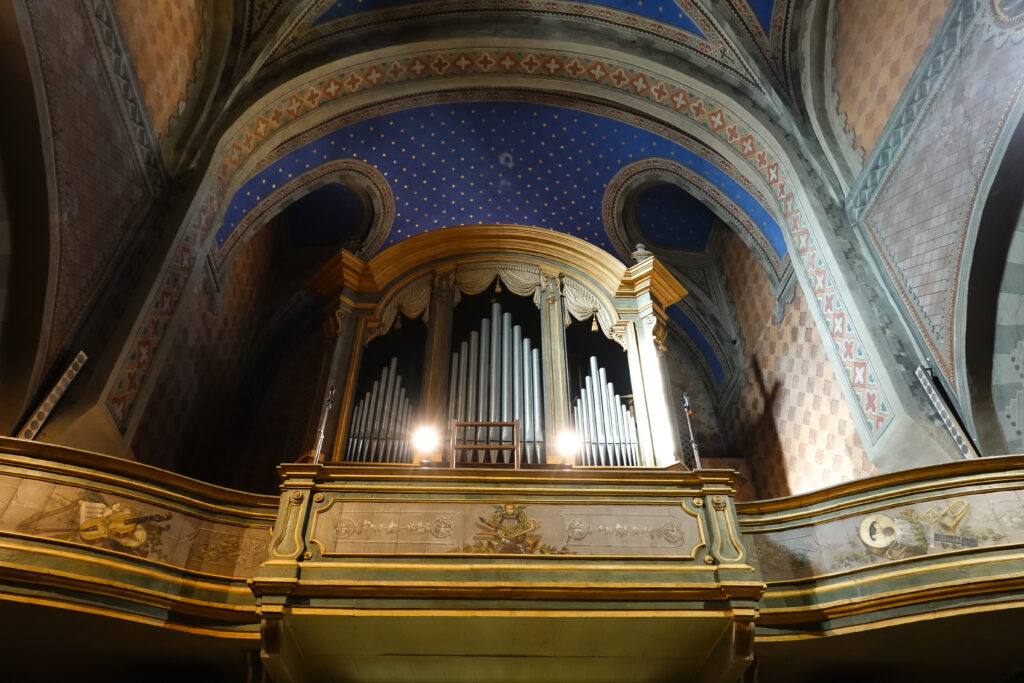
93	518
955	522
344	527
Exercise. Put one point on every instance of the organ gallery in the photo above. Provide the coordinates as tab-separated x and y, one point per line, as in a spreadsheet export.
410	341
487	378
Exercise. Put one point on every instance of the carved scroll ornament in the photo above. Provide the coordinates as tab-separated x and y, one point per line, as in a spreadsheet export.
581	304
520	279
412	301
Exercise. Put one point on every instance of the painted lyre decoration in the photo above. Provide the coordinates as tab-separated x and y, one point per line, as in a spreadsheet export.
496	377
380	422
606	428
495	325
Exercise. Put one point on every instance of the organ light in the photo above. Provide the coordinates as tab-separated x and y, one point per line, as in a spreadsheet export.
425	440
568	444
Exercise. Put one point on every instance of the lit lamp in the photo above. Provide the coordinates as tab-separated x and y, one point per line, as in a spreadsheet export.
568	445
425	441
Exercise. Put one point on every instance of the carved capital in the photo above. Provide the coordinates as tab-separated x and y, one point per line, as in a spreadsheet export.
658	331
444	282
336	320
552	287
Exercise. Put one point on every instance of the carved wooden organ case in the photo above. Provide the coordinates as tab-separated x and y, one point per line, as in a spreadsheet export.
517	346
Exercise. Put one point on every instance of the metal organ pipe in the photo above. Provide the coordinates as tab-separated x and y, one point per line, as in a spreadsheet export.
471	414
538	421
500	383
381	421
517	376
484	378
507	379
604	424
529	436
495	379
600	443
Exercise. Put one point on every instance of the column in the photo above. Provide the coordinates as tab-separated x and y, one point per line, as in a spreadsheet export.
555	373
650	379
352	333
646	289
437	354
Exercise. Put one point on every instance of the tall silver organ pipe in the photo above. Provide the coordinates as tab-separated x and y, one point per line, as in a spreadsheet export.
604	425
496	378
381	421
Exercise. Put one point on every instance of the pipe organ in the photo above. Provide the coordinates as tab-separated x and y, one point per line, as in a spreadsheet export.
605	426
496	377
475	364
381	421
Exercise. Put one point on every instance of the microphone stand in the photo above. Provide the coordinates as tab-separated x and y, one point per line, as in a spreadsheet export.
323	424
689	428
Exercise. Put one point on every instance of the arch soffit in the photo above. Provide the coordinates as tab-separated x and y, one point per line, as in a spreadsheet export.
674	106
523	257
369	183
303	29
672	98
640	175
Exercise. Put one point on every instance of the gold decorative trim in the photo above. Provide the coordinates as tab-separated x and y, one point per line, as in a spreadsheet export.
547	245
447	586
130	616
152	495
943	475
90	463
290	519
92	550
587	614
650	276
96	586
222	586
884	501
863	604
490	499
891	621
323	474
566	565
560	559
928	568
697	502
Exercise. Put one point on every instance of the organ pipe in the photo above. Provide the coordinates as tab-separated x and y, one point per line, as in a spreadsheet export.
381	421
496	378
604	425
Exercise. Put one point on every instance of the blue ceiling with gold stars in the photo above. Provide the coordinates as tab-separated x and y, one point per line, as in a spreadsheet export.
666	11
327	215
501	163
669	216
763	11
699	339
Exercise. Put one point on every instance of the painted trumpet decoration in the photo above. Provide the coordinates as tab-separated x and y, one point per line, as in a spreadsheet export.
381	421
495	377
606	429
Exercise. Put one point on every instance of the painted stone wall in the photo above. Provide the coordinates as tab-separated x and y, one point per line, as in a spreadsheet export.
791	421
715	452
191	418
100	184
165	39
878	45
1008	354
5	251
920	215
286	417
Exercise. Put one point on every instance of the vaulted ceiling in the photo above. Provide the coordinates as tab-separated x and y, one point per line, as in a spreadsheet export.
618	122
